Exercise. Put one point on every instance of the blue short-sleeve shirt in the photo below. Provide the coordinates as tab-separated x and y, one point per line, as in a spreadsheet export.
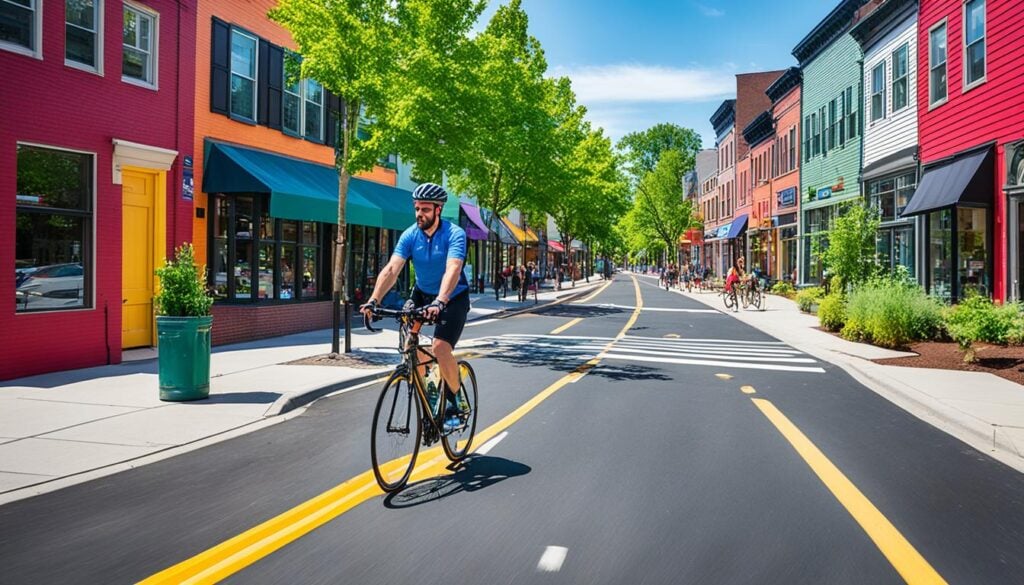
430	255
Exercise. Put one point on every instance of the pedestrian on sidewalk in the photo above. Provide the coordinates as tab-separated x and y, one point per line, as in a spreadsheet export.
517	282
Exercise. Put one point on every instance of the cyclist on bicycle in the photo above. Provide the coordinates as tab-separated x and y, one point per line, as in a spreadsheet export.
437	249
736	275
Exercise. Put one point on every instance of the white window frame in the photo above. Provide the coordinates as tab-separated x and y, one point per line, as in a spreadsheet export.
967	86
37	34
97	48
92	231
932	102
154	41
879	91
255	78
905	78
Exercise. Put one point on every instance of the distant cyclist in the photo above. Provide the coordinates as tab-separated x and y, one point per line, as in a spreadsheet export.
437	248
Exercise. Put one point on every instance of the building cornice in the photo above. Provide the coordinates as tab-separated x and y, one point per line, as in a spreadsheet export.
760	129
827	32
884	19
784	84
724	115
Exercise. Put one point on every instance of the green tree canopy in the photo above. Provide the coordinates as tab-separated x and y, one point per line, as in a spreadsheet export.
659	210
643	149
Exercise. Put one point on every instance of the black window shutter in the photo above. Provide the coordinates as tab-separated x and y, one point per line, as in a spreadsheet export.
275	84
262	87
333	108
220	67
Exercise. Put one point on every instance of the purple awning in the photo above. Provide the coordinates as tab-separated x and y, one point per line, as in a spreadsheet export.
476	229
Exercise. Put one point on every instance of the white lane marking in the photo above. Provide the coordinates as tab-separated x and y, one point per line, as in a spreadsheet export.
718	363
552	559
537	336
790	357
755	349
733	341
486	447
481	322
713	355
611	306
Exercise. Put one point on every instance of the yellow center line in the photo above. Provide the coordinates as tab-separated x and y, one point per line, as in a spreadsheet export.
599	291
909	563
558	330
748	389
233	555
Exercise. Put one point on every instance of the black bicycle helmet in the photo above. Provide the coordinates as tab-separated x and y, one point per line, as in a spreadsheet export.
430	192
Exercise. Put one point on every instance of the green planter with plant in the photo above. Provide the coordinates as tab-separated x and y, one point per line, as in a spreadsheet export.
183	326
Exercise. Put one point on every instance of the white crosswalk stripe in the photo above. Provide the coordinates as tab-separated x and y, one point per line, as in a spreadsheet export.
717	353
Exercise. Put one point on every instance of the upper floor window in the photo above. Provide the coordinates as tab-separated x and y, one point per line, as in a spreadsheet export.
314	98
899	77
291	104
937	64
81	32
19	24
792	149
974	42
138	52
852	126
243	75
878	92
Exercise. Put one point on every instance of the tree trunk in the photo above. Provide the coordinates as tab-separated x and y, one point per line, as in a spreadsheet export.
340	288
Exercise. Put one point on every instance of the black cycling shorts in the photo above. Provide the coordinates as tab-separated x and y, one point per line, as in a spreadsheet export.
452	319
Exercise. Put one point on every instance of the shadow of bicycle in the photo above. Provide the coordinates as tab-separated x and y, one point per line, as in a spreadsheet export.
474	473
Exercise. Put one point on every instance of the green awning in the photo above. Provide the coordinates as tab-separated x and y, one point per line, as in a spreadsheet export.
394	203
298	189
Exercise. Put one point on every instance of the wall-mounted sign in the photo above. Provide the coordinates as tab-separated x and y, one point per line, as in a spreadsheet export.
187	183
824	193
787	197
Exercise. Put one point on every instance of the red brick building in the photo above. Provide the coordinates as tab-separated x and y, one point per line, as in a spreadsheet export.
97	127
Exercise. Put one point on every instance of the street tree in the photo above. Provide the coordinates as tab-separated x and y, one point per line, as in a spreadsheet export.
509	107
363	51
643	149
658	205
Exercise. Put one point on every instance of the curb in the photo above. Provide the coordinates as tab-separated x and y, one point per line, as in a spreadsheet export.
978	434
299	398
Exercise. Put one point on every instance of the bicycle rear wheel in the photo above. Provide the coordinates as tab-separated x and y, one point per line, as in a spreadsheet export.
458	442
730	299
396	433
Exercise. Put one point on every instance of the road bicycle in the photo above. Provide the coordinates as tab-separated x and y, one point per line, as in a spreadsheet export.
404	418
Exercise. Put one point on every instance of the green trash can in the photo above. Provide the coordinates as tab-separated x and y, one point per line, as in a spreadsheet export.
183	353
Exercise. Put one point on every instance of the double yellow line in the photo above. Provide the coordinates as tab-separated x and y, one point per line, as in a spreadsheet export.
233	555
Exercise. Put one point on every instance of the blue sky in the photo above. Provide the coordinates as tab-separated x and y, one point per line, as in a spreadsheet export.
635	63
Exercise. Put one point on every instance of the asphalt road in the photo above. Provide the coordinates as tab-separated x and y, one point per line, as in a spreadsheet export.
680	457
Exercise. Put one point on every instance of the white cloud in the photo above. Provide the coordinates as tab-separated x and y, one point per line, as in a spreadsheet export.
709	11
632	83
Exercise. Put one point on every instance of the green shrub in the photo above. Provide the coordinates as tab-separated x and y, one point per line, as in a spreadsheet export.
891	312
832	312
808	296
978	319
182	289
783	289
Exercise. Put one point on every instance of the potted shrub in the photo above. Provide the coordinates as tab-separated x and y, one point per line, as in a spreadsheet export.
183	325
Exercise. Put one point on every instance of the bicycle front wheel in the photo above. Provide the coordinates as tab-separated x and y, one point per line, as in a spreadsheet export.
397	429
457	443
730	299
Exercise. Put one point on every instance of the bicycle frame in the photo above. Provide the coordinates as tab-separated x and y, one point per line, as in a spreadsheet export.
410	348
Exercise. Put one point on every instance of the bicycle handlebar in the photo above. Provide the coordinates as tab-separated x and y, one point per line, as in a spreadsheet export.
416	313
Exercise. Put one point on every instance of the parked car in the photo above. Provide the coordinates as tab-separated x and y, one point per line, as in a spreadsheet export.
52	286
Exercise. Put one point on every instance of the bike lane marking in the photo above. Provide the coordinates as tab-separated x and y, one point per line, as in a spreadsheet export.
902	555
237	553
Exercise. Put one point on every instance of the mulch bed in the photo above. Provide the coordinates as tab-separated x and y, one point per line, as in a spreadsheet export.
1005	362
364	360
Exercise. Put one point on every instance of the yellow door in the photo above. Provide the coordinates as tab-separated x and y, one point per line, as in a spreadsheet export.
137	245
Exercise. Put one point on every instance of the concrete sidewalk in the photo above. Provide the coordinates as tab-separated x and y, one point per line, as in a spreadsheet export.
67	427
981	409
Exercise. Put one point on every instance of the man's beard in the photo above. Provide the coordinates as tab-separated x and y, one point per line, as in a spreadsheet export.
424	223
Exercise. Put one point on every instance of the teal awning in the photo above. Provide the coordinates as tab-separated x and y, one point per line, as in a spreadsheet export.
298	189
394	203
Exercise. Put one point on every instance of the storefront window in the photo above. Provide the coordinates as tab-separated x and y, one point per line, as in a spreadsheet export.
52	256
287	268
940	254
972	245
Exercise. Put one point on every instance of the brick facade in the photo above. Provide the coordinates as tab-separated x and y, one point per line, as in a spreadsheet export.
237	323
